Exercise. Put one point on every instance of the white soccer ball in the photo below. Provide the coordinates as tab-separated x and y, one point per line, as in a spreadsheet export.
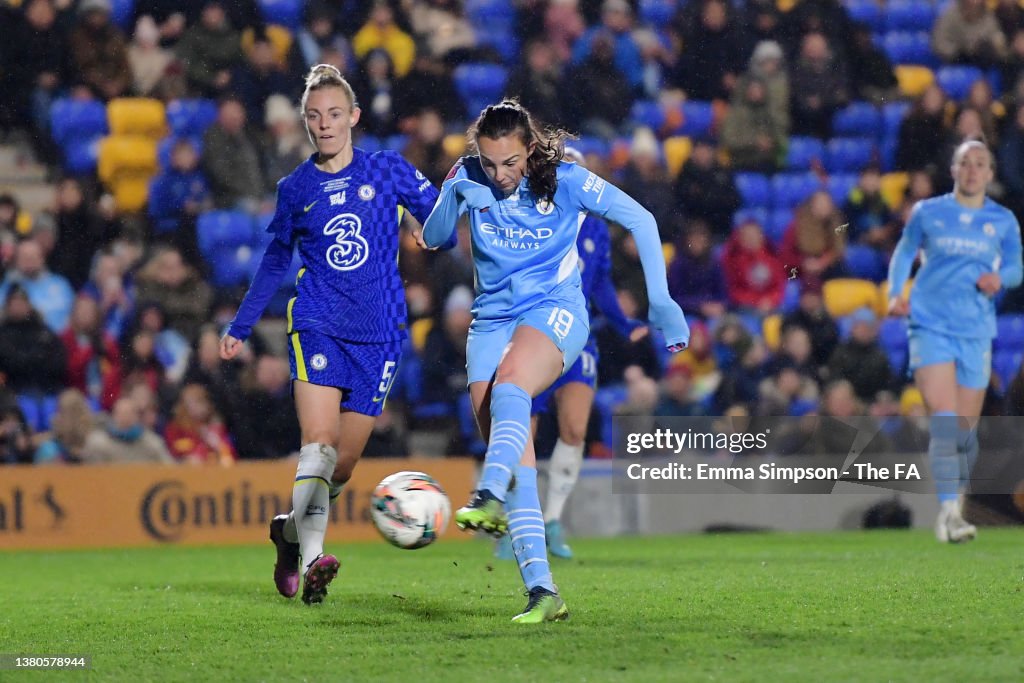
410	509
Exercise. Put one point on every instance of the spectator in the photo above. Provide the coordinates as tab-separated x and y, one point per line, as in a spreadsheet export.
139	364
147	59
695	278
924	135
69	428
860	359
178	289
267	427
840	401
1011	162
812	244
50	294
872	77
210	50
32	358
754	277
991	111
287	145
871	221
231	160
699	359
616	24
441	27
171	348
785	392
676	395
429	85
795	352
968	33
819	87
911	436
80	233
732	341
740	383
600	96
15	437
382	32
705	189
768	65
177	195
319	34
93	359
537	82
375	88
812	315
124	439
425	149
754	139
258	76
113	291
99	51
387	440
713	53
646	179
196	434
444	352
220	377
618	353
563	26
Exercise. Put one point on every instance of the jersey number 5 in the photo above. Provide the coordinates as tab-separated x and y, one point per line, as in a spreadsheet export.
560	321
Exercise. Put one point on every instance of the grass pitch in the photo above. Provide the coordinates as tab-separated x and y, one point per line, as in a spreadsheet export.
872	606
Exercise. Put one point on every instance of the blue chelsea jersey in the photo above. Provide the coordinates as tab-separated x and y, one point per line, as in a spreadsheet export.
524	247
346	227
958	245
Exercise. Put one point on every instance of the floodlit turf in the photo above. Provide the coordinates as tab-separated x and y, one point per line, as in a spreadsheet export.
768	607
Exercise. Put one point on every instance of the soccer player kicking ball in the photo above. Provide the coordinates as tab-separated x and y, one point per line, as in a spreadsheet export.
525	206
970	250
347	320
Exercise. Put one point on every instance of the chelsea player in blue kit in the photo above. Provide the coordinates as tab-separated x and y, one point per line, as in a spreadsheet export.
341	208
971	249
525	207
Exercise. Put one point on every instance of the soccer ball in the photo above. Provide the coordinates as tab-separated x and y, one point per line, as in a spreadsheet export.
410	509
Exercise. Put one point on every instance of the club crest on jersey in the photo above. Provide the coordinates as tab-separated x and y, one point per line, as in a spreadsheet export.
545	207
366	192
318	362
989	229
350	249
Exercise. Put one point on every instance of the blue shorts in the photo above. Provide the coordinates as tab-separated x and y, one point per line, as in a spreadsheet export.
584	371
563	322
363	371
973	357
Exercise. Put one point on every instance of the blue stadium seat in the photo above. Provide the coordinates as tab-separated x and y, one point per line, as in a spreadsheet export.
789	189
791	296
757	214
592	145
1009	333
231	266
849	154
121	14
803	151
893	114
480	84
909	15
217	229
163	149
502	38
887	152
260	237
77	120
867	12
191	117
778	222
657	13
697	118
839	186
909	47
754	189
396	142
648	113
892	337
287	13
606	400
483	12
957	80
857	119
1005	366
81	155
37	409
865	263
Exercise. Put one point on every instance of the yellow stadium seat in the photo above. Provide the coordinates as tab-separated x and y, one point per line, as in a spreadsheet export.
669	250
131	192
771	330
137	116
419	331
913	80
126	154
882	305
894	185
279	36
843	296
454	145
677	151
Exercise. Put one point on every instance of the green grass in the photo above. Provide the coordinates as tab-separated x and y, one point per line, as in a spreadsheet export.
873	606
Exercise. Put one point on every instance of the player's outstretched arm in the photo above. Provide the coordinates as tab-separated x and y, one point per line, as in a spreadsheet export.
458	194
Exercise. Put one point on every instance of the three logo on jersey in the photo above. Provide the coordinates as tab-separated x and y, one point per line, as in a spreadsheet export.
350	249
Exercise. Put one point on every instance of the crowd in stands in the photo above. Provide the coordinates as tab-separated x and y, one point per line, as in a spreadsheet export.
780	146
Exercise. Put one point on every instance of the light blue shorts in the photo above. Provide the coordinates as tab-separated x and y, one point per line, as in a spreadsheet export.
972	357
564	323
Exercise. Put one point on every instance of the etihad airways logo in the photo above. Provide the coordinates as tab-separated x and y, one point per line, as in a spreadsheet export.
515	237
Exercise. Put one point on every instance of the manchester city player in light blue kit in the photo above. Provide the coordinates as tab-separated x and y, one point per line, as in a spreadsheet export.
341	208
525	207
970	249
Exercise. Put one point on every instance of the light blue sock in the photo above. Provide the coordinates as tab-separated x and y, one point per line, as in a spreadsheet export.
510	428
967	446
526	528
942	454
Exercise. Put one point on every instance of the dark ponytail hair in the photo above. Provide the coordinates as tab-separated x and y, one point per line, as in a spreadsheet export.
509	117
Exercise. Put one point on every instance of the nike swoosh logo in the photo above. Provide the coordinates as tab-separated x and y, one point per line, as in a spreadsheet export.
378	400
310	206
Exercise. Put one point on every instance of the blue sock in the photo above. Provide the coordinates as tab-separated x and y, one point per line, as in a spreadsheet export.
526	528
510	428
967	446
942	454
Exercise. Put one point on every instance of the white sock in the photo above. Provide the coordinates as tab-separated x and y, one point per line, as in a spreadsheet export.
563	472
291	533
311	498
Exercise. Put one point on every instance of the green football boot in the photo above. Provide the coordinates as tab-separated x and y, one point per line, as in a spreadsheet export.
542	606
484	512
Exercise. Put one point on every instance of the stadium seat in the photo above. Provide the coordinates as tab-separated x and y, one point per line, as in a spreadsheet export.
454	145
469	431
191	117
909	47
697	118
396	142
1005	366
867	12
913	80
791	296
857	119
677	150
1009	333
865	263
957	80
369	143
587	145
479	84
648	113
287	13
606	400
887	153
839	187
137	116
757	214
220	229
893	114
754	189
657	13
77	120
771	330
849	154
126	164
909	15
483	12
80	156
882	305
892	333
38	410
280	39
778	222
231	266
803	151
894	185
843	296
789	189
122	14
502	39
